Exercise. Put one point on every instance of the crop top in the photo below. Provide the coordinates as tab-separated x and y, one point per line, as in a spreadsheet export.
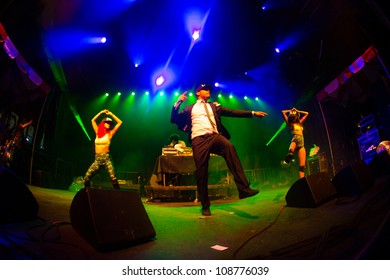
296	129
105	140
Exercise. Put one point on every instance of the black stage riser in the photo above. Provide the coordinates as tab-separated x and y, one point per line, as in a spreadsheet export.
110	219
380	164
354	179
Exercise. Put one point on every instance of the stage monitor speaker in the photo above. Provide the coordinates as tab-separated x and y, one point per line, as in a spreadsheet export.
311	191
380	164
17	203
353	180
110	219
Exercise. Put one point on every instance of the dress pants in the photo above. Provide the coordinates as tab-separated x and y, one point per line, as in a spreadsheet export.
202	146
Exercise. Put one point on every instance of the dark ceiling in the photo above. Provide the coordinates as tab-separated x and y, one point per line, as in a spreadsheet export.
238	36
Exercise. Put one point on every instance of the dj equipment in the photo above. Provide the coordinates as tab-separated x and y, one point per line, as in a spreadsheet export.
170	151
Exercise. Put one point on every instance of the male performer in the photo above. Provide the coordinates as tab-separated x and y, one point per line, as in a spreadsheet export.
202	122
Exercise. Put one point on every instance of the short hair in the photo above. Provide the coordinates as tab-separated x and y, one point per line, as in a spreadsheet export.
174	137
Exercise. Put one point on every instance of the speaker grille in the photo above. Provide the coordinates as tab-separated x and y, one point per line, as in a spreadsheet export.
110	219
310	191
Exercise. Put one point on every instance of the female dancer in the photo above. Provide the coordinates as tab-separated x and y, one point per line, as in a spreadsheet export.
104	133
294	121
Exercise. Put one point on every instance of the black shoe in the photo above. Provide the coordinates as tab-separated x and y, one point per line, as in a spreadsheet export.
289	157
247	192
206	212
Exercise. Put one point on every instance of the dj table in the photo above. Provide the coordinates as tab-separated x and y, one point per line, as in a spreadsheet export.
184	165
176	173
174	164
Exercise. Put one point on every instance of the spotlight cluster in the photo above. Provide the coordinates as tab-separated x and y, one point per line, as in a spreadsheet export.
177	93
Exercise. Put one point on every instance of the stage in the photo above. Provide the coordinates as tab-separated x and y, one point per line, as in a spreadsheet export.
260	227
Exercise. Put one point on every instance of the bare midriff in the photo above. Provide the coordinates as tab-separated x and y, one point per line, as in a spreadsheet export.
297	129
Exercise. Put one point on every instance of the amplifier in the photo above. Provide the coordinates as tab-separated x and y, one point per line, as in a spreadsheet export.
368	143
187	151
169	152
317	164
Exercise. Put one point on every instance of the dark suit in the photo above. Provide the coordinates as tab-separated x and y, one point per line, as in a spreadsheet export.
218	144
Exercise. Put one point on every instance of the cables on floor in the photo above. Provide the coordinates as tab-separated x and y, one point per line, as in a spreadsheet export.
38	241
258	233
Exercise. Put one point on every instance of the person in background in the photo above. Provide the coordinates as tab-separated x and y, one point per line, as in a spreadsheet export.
104	133
15	145
6	153
202	122
294	120
18	135
175	140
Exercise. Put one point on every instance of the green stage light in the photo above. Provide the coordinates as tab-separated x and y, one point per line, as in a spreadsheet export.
59	75
248	101
283	125
80	121
130	98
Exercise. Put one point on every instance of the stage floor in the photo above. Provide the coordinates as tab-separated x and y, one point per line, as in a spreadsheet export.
260	227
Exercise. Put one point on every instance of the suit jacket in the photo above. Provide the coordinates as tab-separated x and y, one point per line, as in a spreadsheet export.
183	119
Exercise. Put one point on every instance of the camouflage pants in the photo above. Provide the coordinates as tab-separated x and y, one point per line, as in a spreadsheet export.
299	140
102	160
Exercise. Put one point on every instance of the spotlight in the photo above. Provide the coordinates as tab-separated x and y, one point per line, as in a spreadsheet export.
95	40
196	35
160	80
